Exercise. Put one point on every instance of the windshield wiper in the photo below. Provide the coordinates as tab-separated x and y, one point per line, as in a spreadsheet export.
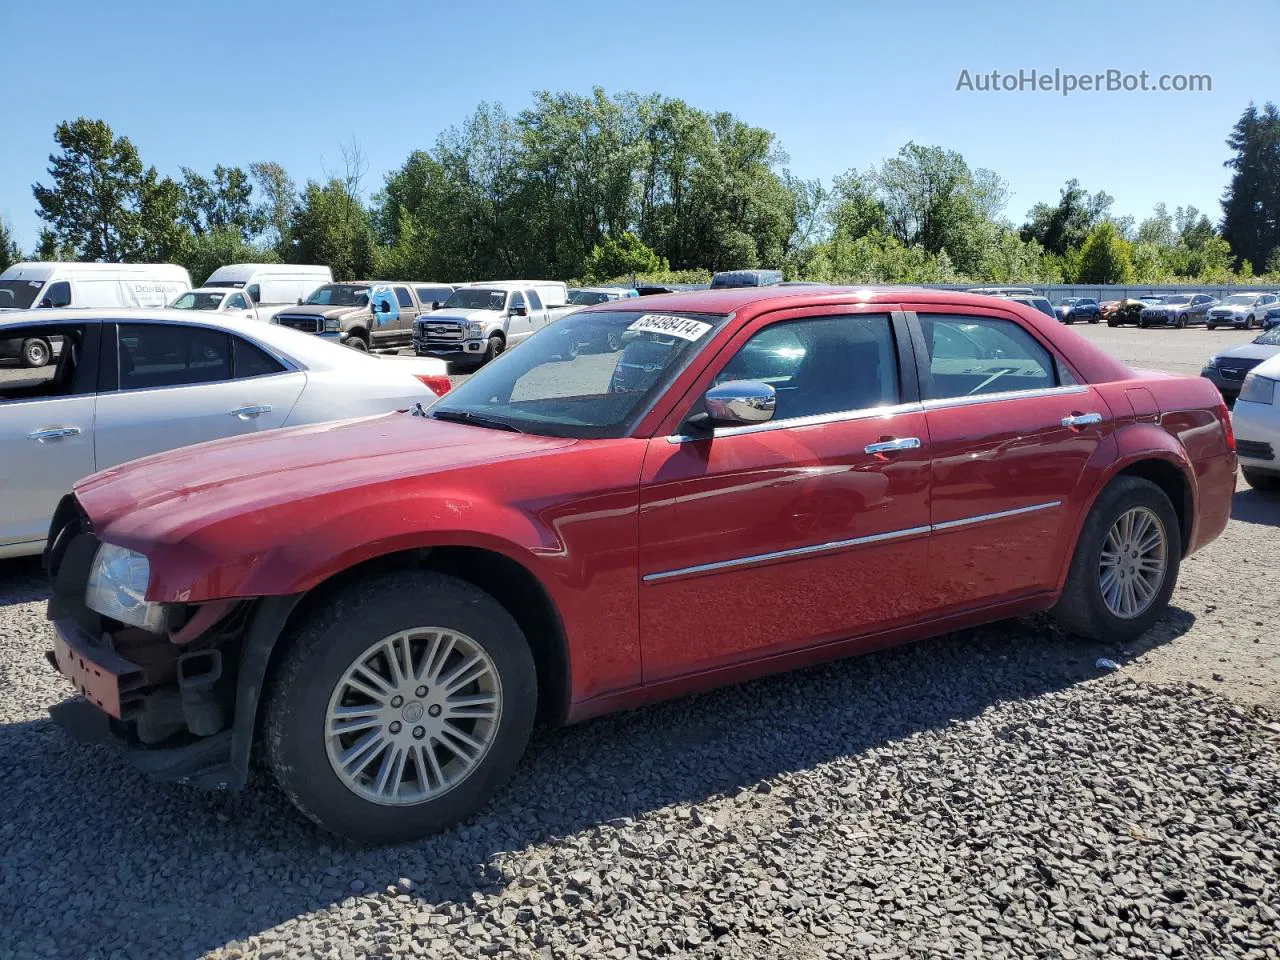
475	419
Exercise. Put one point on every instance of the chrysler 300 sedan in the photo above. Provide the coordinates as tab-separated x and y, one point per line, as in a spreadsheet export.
644	500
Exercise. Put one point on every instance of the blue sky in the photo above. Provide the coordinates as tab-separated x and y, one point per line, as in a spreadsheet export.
842	83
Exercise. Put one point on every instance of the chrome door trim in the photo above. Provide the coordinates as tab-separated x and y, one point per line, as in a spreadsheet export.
784	554
944	403
1083	420
818	419
843	544
53	433
984	517
891	446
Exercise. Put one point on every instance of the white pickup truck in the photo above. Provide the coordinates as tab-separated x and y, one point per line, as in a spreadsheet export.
480	320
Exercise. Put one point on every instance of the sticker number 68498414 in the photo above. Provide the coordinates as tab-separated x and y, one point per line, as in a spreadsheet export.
682	327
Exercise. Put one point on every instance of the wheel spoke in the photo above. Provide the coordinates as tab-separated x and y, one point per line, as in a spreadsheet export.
456	737
370	684
438	658
427	762
481	705
344	720
471	670
388	782
399	670
354	760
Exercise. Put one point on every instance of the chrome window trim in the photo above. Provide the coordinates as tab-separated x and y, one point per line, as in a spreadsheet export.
942	403
817	419
844	544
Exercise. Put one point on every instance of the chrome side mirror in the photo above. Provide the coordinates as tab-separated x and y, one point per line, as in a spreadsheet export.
740	402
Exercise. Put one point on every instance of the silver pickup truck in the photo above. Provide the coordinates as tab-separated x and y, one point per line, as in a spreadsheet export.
480	320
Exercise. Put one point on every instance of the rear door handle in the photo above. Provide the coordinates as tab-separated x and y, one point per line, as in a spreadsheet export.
251	410
1082	420
53	433
890	446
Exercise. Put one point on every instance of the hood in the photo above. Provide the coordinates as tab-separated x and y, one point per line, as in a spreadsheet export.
1248	351
462	315
316	310
1232	308
167	497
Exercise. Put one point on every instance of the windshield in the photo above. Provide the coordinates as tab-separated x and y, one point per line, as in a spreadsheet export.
476	298
1240	300
585	298
339	295
194	300
1269	339
19	294
1179	298
590	375
1069	301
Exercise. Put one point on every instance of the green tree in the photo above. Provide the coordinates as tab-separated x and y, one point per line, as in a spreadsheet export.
103	205
331	226
279	201
221	202
622	255
10	252
1251	205
1105	257
1068	223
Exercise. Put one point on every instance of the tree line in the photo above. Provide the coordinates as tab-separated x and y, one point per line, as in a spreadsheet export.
600	187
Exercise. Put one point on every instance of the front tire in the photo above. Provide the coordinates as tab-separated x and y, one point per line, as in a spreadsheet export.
1264	482
36	352
1251	323
492	349
358	343
401	705
1182	322
1125	565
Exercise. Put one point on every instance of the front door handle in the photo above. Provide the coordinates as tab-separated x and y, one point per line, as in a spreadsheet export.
1082	420
251	410
53	433
891	446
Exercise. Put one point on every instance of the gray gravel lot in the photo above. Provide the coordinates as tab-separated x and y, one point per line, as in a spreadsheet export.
989	793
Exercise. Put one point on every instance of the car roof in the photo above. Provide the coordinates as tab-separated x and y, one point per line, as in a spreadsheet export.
733	299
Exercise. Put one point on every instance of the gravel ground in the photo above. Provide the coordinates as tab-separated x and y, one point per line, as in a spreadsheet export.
990	793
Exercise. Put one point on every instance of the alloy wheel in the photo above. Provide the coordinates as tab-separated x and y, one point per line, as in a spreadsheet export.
413	716
1134	561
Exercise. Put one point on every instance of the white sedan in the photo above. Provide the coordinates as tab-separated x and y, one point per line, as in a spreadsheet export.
224	300
128	383
1256	421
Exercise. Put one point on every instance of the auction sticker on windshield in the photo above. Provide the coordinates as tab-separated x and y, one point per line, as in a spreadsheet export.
681	327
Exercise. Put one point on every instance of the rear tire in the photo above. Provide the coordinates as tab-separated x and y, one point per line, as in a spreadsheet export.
1267	482
1083	609
36	352
442	629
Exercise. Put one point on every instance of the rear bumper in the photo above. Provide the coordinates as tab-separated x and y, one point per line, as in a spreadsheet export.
1258	425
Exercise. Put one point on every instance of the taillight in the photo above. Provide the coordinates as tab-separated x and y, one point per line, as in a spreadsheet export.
434	382
1226	422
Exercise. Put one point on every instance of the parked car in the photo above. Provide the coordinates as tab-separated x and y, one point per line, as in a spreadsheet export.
1257	425
654	289
1128	310
1036	303
1228	368
727	279
589	296
217	300
365	315
1272	317
481	320
49	285
1177	310
1242	310
1003	291
271	286
1071	309
774	479
130	383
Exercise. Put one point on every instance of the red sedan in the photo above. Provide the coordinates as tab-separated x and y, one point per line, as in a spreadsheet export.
641	501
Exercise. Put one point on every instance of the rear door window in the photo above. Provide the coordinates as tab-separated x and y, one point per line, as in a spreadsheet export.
403	296
172	355
971	356
534	301
249	360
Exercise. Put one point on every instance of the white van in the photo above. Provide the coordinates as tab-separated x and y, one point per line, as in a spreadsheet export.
27	285
271	286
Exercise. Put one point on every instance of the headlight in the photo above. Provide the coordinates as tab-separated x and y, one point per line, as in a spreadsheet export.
475	330
1258	389
118	587
332	325
1211	364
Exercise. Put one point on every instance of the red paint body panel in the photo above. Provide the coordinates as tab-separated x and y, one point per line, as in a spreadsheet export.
278	513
